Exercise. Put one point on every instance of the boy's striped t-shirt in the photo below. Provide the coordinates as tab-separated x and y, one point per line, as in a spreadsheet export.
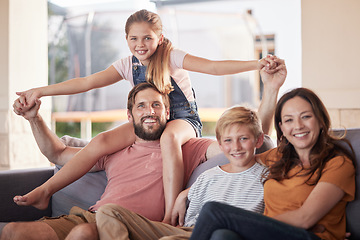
243	189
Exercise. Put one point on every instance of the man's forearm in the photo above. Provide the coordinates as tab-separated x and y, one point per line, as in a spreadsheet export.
50	145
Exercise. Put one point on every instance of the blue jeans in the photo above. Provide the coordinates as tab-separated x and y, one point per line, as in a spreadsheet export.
248	225
222	234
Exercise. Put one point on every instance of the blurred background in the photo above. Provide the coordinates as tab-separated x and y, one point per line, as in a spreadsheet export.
44	42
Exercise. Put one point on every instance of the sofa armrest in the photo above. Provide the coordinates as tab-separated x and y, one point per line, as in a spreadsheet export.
20	182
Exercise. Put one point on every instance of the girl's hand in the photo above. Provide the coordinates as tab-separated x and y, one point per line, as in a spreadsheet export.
274	77
28	98
268	63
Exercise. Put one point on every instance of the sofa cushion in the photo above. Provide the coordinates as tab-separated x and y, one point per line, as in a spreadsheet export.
20	182
73	141
353	208
82	193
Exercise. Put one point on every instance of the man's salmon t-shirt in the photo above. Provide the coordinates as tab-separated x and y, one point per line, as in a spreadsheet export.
135	176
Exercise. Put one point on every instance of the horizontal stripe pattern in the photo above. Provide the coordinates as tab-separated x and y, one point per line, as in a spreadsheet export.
244	190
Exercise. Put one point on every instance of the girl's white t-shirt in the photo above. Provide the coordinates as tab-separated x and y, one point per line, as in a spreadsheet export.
180	76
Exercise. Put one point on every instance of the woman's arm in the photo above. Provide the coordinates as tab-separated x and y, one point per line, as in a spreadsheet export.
320	201
272	83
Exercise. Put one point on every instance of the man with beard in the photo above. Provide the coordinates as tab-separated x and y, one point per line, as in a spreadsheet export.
134	173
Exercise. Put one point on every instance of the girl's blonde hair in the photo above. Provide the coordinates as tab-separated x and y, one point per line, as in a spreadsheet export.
238	115
158	70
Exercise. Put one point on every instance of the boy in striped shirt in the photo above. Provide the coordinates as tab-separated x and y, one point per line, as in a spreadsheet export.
238	183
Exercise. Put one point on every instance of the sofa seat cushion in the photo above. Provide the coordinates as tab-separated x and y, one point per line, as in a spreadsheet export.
82	193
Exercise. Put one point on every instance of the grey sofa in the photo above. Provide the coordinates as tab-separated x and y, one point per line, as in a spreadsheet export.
87	190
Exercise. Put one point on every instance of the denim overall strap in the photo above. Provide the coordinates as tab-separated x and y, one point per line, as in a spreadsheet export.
180	107
139	71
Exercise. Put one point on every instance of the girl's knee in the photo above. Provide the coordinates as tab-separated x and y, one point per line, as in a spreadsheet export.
168	137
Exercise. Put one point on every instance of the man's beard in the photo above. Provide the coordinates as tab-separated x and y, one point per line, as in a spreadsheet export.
149	135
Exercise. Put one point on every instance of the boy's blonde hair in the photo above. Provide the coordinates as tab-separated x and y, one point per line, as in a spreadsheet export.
158	70
238	115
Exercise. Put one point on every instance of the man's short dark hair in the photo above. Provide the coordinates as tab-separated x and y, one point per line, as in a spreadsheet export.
143	86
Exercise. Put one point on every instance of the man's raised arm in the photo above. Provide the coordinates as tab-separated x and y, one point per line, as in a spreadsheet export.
50	145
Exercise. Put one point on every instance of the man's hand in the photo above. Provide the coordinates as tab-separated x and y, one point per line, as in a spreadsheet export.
37	198
27	113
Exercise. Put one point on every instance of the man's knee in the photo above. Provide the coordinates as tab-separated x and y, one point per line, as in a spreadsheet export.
27	230
8	231
86	231
14	231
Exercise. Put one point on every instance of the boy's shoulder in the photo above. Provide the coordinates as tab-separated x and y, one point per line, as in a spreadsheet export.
211	172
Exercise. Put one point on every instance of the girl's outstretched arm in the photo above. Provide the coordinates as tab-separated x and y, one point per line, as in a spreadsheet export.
225	67
72	86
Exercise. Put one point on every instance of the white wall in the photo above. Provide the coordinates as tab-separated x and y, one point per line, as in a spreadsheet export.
23	64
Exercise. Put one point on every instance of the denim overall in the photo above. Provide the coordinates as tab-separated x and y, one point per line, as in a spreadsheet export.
180	107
